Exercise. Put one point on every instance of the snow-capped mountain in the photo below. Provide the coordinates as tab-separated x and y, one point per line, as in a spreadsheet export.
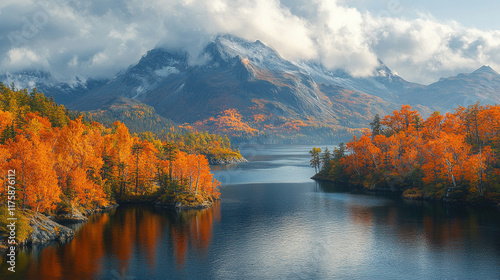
383	82
63	92
256	81
226	47
246	76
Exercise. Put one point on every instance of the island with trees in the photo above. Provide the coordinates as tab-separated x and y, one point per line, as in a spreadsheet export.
451	158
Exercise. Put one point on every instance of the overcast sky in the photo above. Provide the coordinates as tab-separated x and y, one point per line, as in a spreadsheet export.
420	40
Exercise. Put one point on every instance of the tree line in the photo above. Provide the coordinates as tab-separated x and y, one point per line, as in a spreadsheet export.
65	162
445	157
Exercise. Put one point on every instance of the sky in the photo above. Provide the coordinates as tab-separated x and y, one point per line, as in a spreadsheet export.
421	41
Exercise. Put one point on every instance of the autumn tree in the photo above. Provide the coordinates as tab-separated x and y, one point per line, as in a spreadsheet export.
400	120
326	157
450	157
78	152
34	162
120	148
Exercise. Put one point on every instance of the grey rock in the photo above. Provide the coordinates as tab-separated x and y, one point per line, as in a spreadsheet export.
45	230
75	217
231	160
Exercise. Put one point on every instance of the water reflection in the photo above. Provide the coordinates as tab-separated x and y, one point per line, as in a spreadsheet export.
192	230
120	236
278	230
417	223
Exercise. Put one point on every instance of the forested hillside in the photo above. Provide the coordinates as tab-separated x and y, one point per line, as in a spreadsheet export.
452	157
63	163
143	120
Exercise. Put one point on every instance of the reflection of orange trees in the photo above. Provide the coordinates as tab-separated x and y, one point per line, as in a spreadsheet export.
81	257
193	229
361	215
134	228
440	232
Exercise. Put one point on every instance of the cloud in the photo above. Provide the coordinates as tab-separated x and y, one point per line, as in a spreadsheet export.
99	38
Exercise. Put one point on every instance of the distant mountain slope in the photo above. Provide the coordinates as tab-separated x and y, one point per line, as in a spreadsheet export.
383	83
250	78
482	85
63	92
137	116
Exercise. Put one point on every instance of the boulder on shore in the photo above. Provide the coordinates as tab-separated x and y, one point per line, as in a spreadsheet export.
45	230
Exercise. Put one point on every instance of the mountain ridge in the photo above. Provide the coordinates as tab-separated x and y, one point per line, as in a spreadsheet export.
268	92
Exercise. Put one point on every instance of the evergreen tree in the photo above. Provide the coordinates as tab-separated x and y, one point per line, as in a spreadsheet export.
376	126
326	157
315	161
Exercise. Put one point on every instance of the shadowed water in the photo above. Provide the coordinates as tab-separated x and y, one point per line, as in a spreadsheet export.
275	223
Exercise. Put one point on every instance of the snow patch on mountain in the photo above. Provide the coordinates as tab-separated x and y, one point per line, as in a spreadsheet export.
257	53
166	71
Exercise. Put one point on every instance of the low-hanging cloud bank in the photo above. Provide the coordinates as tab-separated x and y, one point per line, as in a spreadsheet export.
98	38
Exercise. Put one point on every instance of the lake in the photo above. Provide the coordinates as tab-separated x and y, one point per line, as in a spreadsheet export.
273	222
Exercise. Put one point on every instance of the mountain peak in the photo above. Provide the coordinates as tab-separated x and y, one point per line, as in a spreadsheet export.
159	57
226	47
485	70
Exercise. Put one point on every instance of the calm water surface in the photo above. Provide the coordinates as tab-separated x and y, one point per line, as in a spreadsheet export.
275	223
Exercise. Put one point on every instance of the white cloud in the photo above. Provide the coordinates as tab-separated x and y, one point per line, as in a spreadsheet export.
99	38
21	58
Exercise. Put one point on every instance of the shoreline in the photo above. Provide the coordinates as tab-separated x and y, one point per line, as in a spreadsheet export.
179	207
364	189
227	161
46	229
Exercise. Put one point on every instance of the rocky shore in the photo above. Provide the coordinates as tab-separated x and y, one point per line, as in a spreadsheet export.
407	195
77	216
44	229
231	160
179	206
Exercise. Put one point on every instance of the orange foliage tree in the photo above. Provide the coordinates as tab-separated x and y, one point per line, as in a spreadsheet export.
59	160
451	157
